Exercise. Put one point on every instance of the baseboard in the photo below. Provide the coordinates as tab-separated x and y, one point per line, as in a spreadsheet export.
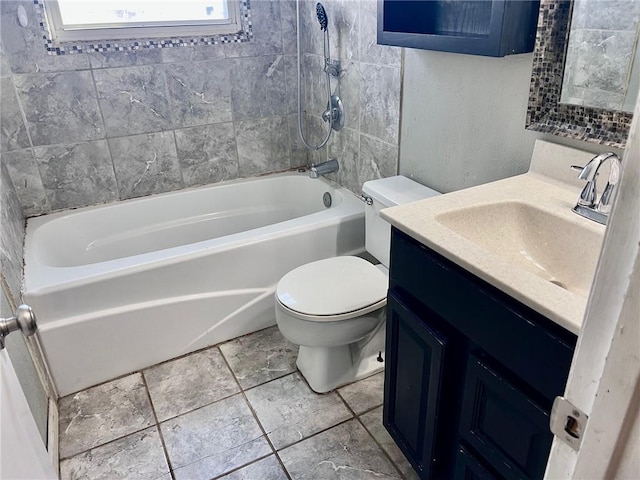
53	436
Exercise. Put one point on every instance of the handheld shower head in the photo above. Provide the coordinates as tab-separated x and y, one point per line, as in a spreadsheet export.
322	16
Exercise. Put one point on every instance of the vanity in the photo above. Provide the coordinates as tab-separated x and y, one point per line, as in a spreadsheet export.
488	287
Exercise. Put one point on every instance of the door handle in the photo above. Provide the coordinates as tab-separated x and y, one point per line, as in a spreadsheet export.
24	320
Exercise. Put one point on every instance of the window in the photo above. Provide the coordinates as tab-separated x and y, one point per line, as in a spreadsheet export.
82	20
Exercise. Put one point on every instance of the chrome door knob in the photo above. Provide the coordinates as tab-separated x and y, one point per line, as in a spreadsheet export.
24	320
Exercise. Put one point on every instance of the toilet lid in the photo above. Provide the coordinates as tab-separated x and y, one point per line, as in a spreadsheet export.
332	286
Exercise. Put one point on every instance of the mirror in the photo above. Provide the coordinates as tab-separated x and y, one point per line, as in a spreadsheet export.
602	66
545	111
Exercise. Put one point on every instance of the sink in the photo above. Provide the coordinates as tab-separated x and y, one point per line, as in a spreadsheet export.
559	247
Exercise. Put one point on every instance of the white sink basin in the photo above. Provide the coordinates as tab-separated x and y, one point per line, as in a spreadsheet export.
562	249
518	234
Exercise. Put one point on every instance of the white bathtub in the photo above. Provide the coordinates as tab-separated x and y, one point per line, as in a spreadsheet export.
121	287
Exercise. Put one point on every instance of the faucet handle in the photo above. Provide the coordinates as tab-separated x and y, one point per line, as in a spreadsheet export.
587	172
589	194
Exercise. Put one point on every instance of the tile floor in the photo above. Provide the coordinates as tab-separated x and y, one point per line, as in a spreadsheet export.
239	410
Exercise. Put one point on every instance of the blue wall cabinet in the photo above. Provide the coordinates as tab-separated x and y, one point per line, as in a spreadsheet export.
493	28
470	373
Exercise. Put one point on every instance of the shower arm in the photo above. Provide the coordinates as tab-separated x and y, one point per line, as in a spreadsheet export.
328	83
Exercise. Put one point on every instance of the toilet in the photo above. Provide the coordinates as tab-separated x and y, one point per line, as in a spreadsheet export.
335	309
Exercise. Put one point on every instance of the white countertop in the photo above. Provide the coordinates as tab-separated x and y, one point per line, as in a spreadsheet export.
549	186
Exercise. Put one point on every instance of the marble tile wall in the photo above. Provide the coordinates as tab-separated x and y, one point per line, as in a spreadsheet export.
11	239
87	129
369	85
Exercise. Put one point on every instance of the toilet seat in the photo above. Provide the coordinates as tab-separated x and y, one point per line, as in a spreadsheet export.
333	289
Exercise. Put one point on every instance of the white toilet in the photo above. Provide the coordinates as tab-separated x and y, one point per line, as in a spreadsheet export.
335	308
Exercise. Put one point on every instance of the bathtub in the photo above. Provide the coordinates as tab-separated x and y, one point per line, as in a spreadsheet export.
120	287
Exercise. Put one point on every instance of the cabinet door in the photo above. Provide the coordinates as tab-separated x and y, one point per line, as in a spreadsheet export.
506	427
414	367
478	27
468	468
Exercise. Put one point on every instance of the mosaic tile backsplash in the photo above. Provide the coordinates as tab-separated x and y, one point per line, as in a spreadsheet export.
97	127
72	48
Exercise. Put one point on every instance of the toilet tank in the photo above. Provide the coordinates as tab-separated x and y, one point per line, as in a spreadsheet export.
387	192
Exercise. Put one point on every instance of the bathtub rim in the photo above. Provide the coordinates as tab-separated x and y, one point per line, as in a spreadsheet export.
54	278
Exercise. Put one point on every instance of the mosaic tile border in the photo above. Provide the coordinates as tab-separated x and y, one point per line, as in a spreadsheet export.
545	113
70	48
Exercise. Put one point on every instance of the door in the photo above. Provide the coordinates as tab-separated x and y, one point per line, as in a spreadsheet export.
22	452
604	381
23	399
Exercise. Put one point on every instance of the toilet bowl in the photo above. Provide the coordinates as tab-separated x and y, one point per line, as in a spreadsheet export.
335	309
330	308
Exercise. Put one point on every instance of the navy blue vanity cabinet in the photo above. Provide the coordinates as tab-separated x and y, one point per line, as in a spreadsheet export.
471	373
479	27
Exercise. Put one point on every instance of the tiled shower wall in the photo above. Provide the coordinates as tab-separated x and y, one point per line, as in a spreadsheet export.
600	55
11	236
93	128
369	86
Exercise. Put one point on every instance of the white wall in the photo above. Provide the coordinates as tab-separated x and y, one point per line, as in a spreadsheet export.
462	119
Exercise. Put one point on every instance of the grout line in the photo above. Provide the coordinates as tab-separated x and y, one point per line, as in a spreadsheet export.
242	466
401	101
269	381
157	425
255	415
183	184
61	458
284	469
104	126
345	403
23	115
384	452
369	410
316	433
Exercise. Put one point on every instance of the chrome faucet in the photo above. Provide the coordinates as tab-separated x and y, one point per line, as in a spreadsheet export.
324	168
586	205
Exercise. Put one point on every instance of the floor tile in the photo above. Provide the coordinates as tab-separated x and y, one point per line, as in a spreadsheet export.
373	422
290	411
103	413
266	469
213	440
343	452
364	394
138	456
189	382
260	357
